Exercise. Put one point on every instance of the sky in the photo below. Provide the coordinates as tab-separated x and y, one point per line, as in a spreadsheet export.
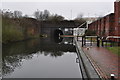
67	8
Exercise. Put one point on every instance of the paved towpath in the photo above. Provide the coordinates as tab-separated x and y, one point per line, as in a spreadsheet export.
104	59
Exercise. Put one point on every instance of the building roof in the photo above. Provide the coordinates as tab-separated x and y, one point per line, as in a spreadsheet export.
117	1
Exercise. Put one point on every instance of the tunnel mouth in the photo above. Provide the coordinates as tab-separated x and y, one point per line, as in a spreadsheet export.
57	37
57	33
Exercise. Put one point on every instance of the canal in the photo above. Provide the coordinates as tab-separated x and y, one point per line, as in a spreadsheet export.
41	58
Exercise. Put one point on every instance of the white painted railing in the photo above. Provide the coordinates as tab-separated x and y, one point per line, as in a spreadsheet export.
81	31
118	37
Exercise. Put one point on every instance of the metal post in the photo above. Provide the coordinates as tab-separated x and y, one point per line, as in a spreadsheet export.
77	38
98	41
91	41
102	43
112	77
82	41
85	41
111	43
106	43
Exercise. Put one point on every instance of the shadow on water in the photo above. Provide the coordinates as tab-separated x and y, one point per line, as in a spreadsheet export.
57	37
14	53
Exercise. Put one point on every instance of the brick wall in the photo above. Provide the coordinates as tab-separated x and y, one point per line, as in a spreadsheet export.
109	25
117	17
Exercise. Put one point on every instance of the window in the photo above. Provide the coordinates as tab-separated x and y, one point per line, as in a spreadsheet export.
119	20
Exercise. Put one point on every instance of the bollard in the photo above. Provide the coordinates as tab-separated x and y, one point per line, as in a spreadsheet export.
77	38
91	42
88	48
111	43
85	41
112	77
98	42
102	43
77	60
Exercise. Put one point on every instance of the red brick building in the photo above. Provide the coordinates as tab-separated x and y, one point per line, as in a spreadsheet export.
96	26
108	25
102	26
117	17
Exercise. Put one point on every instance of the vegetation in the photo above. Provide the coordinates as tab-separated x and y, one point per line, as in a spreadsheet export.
45	15
11	31
90	33
79	19
17	28
115	50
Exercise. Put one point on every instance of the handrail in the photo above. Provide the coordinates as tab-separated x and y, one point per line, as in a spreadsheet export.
81	25
91	36
112	37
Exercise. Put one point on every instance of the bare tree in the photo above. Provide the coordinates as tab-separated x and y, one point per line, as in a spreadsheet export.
7	13
26	16
56	17
41	16
80	18
37	14
80	15
46	14
17	14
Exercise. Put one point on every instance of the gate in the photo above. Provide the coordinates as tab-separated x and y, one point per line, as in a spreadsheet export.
110	41
89	40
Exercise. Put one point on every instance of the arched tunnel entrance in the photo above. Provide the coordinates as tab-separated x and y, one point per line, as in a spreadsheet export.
57	34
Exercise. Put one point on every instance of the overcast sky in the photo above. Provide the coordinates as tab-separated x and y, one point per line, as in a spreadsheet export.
67	8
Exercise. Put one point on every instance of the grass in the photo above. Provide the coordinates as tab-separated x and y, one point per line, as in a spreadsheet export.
11	32
115	50
19	30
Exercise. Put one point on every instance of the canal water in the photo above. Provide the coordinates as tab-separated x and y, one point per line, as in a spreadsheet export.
41	58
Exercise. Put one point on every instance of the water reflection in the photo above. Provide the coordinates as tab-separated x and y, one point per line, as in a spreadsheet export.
57	37
15	53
